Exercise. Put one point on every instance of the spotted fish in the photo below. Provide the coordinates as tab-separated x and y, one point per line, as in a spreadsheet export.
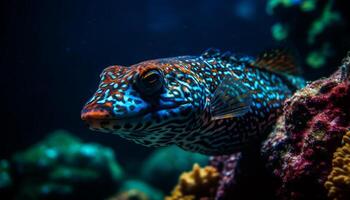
215	103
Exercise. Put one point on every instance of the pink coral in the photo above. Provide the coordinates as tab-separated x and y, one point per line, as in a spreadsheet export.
299	150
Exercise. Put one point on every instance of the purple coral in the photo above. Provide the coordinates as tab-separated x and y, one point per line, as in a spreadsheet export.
227	166
299	150
243	176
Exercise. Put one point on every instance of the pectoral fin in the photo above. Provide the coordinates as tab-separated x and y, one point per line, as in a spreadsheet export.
230	99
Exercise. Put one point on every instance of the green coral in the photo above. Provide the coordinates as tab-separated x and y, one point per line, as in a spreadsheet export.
313	27
308	5
303	5
62	165
327	18
272	4
168	163
317	58
279	31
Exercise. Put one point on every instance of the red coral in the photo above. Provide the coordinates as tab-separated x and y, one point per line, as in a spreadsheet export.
300	149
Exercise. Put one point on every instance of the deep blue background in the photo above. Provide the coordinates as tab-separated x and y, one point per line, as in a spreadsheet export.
53	51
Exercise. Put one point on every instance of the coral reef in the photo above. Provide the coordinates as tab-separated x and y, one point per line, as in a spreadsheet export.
338	182
299	151
138	189
168	163
200	183
318	29
62	167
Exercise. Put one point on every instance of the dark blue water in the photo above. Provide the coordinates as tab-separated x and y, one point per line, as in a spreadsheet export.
53	51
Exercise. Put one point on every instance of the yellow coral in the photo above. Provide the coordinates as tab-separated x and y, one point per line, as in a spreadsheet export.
200	183
338	183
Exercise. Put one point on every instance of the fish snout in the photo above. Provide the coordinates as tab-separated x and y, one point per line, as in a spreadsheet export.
95	114
97	119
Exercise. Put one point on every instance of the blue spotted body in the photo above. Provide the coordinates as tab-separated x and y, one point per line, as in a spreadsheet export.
212	104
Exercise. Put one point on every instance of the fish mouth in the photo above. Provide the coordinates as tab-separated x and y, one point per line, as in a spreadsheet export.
102	120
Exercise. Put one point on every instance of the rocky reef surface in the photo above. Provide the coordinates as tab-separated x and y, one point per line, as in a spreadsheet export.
299	151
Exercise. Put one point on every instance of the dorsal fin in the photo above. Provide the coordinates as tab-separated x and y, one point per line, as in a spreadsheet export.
277	60
211	53
216	53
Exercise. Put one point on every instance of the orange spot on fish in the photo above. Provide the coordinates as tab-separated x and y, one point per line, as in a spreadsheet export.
94	115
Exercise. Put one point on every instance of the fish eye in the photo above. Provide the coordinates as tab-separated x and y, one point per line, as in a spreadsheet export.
150	82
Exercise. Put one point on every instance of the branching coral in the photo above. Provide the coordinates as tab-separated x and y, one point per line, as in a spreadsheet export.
304	5
200	183
338	183
317	29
